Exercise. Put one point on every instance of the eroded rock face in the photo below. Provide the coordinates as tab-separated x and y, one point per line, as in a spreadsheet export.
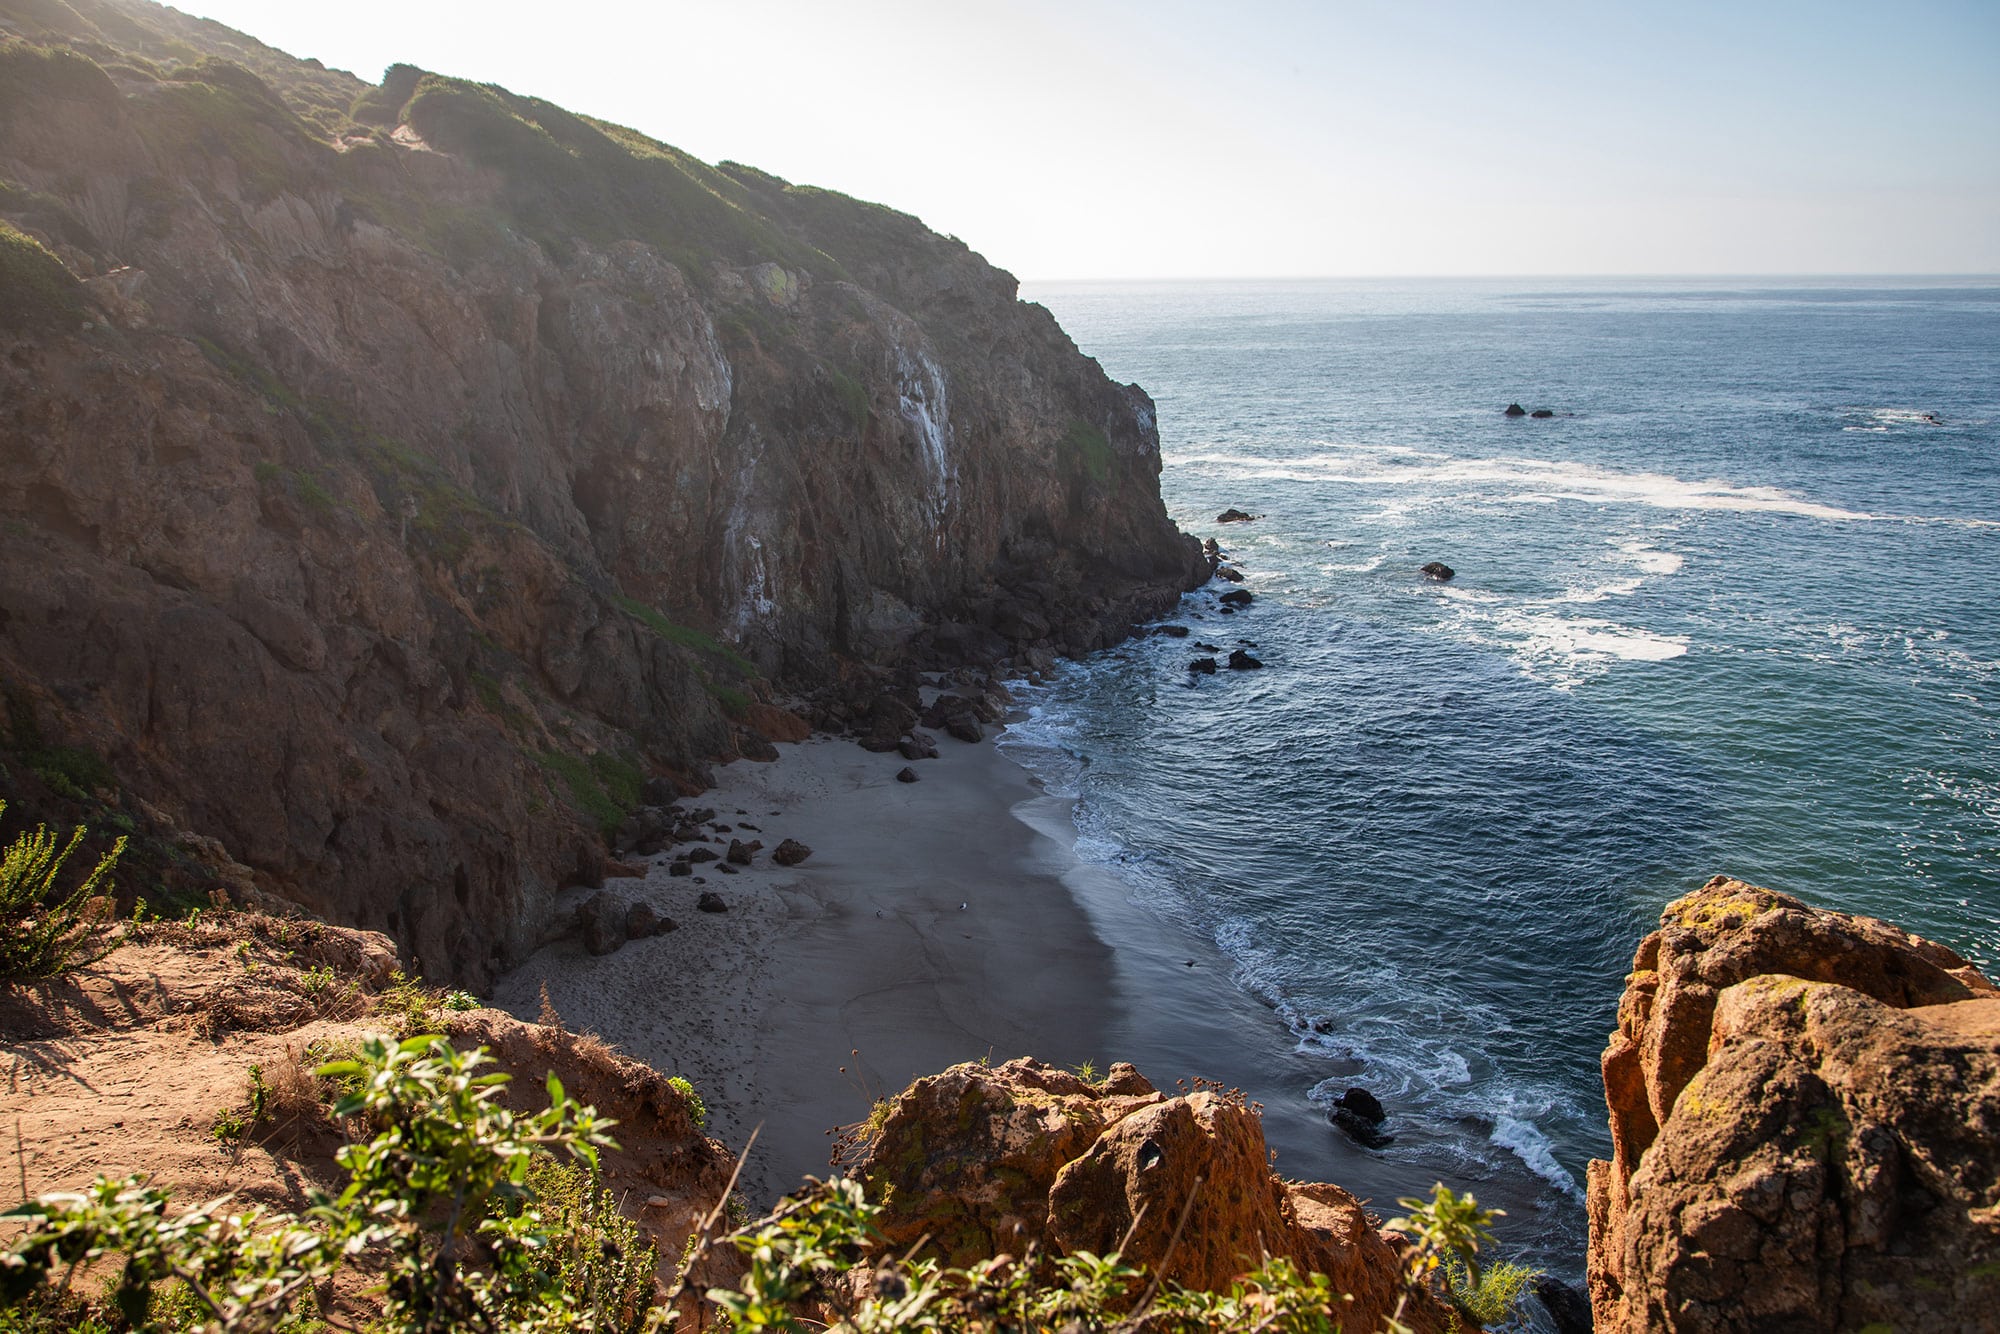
382	518
994	1160
1805	1118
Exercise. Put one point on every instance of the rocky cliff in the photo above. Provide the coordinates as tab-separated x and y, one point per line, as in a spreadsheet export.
1805	1109
394	479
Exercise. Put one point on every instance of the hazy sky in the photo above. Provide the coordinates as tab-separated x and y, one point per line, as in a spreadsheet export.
1160	138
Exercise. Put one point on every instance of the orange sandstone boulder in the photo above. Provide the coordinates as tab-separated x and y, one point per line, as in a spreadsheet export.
986	1161
1805	1119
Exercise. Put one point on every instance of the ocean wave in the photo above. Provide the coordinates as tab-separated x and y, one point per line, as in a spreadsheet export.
1589	638
1617	588
1649	558
1519	479
1525	1140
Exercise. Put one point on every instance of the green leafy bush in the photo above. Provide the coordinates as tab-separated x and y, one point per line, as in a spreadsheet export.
438	1206
468	1216
43	929
697	1109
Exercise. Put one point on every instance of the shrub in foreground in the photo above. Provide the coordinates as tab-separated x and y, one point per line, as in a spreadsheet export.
463	1215
44	929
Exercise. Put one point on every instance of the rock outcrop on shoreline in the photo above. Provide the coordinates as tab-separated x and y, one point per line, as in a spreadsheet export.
1805	1117
981	1161
393	478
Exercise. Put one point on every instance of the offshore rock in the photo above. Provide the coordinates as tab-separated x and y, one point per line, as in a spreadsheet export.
430	481
1805	1108
984	1161
1438	570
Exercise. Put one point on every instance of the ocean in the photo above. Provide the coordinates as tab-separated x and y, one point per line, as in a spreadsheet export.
1734	608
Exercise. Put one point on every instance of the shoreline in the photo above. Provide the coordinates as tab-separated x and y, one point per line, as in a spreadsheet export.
841	980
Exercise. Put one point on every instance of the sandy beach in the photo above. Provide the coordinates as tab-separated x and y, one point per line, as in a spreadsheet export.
929	926
939	921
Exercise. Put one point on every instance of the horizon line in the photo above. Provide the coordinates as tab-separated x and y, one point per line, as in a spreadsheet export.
1993	276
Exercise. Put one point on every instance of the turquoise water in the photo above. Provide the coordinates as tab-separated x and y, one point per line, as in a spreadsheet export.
1731	610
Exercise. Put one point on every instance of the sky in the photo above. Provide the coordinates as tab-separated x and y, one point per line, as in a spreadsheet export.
1076	139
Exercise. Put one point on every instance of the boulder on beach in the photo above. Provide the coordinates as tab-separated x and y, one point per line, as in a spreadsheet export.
1203	666
641	921
680	867
1234	515
1239	661
964	727
703	854
710	901
601	919
1437	570
741	852
1515	410
906	774
791	852
918	746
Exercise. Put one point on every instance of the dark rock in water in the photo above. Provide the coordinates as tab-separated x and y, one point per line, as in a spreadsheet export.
741	852
680	867
1211	549
1234	515
1515	410
701	854
1568	1308
1364	1105
1229	572
1171	631
1212	648
1360	1129
791	852
710	901
1239	661
906	774
1237	597
1543	413
918	746
1203	666
1437	570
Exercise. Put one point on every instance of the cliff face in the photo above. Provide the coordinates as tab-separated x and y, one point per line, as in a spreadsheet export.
1805	1108
393	479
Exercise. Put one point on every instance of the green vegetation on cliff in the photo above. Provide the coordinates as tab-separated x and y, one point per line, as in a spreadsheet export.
36	291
